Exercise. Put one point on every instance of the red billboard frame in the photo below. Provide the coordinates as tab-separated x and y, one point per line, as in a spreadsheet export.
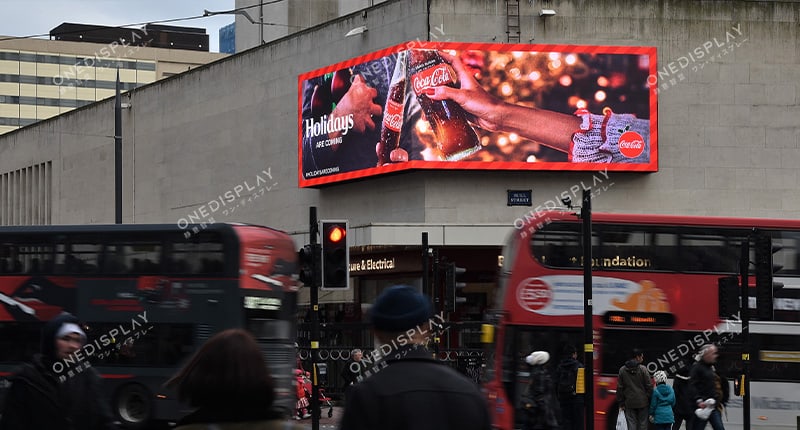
649	91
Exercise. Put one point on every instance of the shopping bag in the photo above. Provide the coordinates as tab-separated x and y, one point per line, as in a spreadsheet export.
622	423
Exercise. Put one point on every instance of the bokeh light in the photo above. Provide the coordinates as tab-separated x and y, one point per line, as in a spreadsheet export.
600	96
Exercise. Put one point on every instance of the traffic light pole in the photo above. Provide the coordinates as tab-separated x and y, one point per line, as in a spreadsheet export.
744	310
314	290
588	336
437	302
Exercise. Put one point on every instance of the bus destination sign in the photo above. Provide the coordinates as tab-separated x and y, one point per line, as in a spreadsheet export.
641	319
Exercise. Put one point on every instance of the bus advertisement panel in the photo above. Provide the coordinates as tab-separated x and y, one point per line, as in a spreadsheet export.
479	106
655	286
148	298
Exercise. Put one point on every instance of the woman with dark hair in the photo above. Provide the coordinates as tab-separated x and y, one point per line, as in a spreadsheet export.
229	383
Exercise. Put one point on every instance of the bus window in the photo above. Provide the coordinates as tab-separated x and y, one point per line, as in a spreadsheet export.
195	257
81	257
132	257
710	253
788	255
521	341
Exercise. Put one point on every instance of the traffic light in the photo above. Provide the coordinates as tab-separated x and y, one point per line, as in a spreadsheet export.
452	286
764	270
309	265
728	296
335	255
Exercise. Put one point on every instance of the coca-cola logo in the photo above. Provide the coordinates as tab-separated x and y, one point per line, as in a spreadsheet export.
534	294
438	75
393	118
631	144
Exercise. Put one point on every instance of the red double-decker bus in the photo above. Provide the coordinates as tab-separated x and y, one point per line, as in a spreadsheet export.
656	283
149	295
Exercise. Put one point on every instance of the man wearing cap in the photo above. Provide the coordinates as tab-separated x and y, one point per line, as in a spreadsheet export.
57	389
407	388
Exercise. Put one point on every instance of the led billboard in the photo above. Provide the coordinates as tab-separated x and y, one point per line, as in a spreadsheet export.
477	106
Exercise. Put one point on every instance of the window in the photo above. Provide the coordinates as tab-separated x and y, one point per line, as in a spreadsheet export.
521	341
137	258
640	248
196	257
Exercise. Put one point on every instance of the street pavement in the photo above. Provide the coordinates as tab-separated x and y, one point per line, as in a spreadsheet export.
325	423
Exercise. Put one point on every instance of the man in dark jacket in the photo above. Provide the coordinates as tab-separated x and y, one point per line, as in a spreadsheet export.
570	401
684	403
634	389
57	389
351	372
706	384
406	388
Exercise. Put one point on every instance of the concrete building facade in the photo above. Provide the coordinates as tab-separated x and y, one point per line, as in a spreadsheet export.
269	21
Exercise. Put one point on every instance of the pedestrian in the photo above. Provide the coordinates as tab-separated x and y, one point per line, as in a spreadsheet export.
538	401
351	373
58	389
634	389
228	381
706	388
570	402
407	388
684	403
303	403
662	402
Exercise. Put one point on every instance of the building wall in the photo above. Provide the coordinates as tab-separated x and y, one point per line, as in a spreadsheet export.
290	16
728	132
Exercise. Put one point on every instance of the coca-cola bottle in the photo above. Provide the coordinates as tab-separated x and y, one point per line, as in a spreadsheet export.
388	149
455	137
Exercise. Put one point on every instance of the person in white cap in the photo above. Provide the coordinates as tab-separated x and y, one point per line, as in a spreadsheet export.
538	401
57	389
662	402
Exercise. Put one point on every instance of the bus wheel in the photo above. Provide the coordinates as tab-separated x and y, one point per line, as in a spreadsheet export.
133	406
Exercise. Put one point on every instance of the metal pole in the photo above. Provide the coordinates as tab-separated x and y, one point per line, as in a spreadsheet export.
588	337
744	310
261	22
426	280
118	153
437	302
313	231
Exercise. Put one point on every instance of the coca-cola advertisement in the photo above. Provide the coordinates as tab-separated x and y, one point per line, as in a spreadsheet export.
435	105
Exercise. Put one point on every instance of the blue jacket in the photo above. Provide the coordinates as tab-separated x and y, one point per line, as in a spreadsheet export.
661	404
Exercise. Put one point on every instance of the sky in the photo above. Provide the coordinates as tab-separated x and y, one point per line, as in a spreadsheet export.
38	17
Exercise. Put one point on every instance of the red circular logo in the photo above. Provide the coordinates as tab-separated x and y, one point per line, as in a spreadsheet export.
533	294
631	144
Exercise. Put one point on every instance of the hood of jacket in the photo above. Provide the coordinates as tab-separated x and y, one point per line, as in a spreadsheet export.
569	364
48	340
663	392
631	365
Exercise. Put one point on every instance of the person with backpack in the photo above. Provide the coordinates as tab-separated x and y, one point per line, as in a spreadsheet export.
634	389
566	379
662	403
